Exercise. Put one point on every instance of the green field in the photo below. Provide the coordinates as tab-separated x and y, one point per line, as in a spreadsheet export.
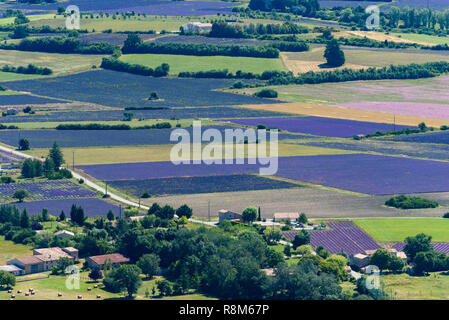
396	230
9	250
182	63
48	289
422	38
59	63
36	17
11	76
406	287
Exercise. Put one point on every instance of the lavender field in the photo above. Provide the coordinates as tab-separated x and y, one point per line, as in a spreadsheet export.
152	7
120	89
45	190
344	236
6	157
93	207
438	246
364	173
195	185
97	138
165	113
433	137
112	38
319	126
367	173
25	99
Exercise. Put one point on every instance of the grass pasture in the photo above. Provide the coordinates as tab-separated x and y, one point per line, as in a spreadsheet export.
406	287
396	230
9	250
61	64
422	38
183	63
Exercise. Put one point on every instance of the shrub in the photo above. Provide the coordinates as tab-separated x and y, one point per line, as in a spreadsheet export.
266	93
405	202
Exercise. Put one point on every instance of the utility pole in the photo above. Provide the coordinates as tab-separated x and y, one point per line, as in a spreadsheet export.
73	160
208	209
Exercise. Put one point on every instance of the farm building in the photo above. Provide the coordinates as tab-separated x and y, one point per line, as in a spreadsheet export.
360	260
43	259
285	216
63	234
115	259
11	269
228	215
197	27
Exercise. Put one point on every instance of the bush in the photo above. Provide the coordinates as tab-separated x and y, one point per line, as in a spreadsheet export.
405	202
266	93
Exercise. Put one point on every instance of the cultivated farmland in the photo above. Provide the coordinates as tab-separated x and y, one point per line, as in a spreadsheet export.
433	137
191	185
319	126
24	99
89	138
45	190
344	236
119	89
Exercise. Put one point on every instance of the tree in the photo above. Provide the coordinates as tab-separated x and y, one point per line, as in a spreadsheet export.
28	169
381	258
56	155
154	208
96	274
149	263
49	167
20	194
64	262
110	215
302	218
133	41
395	264
301	238
128	278
77	215
25	219
24	144
249	214
272	235
184	211
426	261
166	212
335	57
7	279
164	288
418	243
62	216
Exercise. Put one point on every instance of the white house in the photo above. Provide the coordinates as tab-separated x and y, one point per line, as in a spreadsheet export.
63	234
197	27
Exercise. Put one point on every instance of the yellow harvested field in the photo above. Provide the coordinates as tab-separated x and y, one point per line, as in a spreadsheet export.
379	36
303	66
327	111
150	153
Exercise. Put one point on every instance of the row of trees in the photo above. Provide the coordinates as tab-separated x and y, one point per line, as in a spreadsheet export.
134	44
30	69
117	65
226	30
307	8
60	45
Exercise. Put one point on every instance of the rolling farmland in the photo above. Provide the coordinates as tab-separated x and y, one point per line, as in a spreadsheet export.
119	89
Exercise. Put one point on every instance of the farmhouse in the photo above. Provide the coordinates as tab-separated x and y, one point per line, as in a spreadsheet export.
115	259
11	269
63	234
228	215
197	27
285	216
43	259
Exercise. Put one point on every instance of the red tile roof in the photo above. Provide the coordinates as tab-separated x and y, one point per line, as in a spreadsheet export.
114	258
